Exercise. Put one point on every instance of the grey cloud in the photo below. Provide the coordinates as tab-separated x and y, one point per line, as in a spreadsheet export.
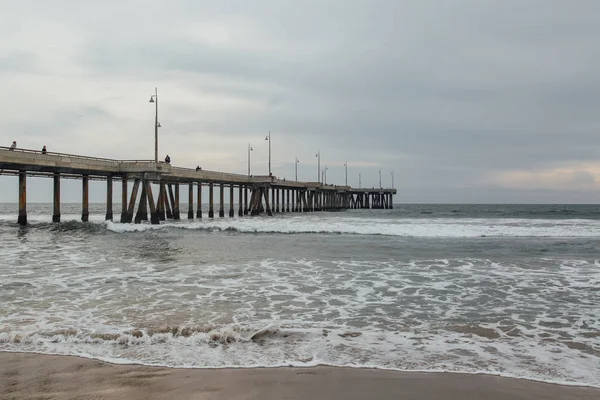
443	93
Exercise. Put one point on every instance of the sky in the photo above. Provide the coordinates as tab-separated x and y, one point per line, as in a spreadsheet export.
463	101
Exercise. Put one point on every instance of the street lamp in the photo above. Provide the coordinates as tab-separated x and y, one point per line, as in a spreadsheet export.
269	139
359	180
346	165
392	179
325	175
156	123
318	155
380	187
296	165
249	150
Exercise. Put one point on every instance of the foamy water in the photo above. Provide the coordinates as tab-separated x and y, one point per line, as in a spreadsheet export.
514	297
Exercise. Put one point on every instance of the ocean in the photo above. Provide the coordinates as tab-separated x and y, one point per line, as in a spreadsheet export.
512	290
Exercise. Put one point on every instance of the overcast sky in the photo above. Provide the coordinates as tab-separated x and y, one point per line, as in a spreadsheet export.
464	100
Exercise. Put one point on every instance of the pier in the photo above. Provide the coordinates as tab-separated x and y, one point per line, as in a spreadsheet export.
255	194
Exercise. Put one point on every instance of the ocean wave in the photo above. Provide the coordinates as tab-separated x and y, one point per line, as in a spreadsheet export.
340	225
463	228
471	348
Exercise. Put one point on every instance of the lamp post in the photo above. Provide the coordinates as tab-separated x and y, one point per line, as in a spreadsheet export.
269	139
392	179
296	165
325	175
249	150
346	165
359	180
156	123
380	180
318	155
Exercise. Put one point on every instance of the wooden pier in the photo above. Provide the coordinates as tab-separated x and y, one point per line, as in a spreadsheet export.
256	194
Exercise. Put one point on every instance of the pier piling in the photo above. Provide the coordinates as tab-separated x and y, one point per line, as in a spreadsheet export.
191	201
56	210
109	200
240	203
231	212
22	220
132	199
85	209
267	205
211	209
176	215
124	199
160	203
154	217
142	212
199	206
221	200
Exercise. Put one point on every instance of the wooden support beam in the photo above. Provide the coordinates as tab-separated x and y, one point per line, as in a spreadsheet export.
231	212
109	199
154	218
85	198
160	202
221	200
276	200
172	201
124	199
273	199
305	206
391	200
191	201
56	213
142	212
132	199
256	201
288	200
211	209
22	220
267	205
176	215
199	205
144	198
167	201
246	200
240	202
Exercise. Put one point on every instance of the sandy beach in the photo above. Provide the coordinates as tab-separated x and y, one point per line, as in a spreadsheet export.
33	376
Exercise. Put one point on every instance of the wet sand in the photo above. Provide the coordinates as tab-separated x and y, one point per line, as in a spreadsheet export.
33	376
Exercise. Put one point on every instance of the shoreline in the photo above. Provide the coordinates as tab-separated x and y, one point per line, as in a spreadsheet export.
33	375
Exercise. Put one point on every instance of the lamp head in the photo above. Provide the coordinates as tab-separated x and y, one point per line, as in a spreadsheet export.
151	99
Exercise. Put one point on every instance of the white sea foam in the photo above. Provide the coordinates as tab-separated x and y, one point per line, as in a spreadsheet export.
461	315
405	227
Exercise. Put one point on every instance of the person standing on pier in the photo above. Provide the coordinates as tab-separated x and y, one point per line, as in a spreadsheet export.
13	145
44	149
168	159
